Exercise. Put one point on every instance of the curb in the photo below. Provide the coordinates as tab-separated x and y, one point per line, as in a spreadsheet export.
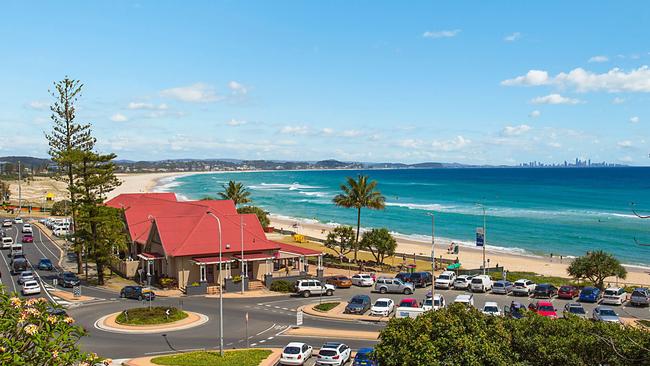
309	310
53	240
99	324
271	360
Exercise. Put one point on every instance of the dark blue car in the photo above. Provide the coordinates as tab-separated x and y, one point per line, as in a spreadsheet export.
589	294
45	265
362	358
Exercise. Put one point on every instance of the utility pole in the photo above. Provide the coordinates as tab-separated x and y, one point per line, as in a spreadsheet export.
20	192
433	256
244	273
484	235
220	285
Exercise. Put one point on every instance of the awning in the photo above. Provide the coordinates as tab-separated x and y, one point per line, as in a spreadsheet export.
150	256
254	256
212	260
297	251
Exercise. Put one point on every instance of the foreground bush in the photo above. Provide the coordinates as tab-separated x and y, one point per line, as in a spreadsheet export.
282	286
460	336
31	336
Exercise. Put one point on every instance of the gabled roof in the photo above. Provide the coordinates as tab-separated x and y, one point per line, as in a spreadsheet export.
288	248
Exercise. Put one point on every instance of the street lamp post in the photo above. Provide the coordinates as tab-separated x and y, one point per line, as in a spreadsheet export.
244	273
220	288
433	257
484	234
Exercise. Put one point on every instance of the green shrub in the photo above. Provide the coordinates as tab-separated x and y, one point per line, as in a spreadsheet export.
282	286
146	316
249	357
236	278
326	306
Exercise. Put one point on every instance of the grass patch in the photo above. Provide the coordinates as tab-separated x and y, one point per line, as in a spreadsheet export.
537	278
250	357
144	316
644	322
326	306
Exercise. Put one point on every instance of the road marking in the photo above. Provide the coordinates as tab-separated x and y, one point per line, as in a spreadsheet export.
266	330
263	340
270	337
13	284
253	344
178	351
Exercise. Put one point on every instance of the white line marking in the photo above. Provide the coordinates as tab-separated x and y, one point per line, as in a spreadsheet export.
264	331
263	340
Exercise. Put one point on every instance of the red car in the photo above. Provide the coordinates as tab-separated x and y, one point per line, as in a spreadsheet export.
409	303
568	292
28	238
543	308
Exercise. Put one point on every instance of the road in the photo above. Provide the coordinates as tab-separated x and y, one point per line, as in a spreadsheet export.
269	317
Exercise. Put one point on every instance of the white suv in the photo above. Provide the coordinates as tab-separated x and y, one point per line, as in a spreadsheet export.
445	280
27	229
523	287
362	279
306	288
481	283
614	296
7	242
334	353
462	282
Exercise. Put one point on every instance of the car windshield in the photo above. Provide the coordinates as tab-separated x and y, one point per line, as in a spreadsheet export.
610	292
491	309
443	277
520	284
576	310
639	294
477	280
499	284
46	261
69	275
406	304
587	291
356	300
291	350
381	304
327	352
365	276
607	312
361	356
546	308
427	302
27	274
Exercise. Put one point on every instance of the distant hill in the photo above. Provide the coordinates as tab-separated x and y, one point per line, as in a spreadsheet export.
25	160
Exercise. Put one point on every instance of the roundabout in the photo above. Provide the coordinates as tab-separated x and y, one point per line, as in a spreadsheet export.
110	323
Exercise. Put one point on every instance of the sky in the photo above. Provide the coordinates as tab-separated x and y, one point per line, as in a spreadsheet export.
456	81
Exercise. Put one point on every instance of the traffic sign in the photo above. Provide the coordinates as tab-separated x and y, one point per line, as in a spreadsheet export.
76	291
299	318
480	237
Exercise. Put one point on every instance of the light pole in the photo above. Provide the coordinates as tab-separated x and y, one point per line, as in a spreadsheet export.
484	234
244	273
220	287
433	257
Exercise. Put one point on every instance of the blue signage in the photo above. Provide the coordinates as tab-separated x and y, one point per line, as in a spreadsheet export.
480	237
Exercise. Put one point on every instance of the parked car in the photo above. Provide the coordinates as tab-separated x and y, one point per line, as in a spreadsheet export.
502	287
31	288
421	279
306	288
543	308
589	294
382	307
568	292
433	303
640	297
68	279
18	265
409	303
27	229
358	304
481	283
27	238
137	292
45	264
523	287
295	353
6	223
384	285
7	242
605	314
466	299
18	220
333	353
614	296
362	279
25	276
515	310
491	308
462	282
363	357
445	280
403	276
16	249
545	290
573	308
339	281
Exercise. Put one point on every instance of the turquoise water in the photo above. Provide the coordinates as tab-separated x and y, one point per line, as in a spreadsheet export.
536	211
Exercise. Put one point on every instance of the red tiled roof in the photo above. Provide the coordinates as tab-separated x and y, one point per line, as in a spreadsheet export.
297	250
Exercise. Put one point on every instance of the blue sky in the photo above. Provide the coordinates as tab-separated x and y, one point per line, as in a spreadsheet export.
470	82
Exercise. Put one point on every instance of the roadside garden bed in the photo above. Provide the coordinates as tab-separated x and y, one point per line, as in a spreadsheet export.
153	316
326	306
250	357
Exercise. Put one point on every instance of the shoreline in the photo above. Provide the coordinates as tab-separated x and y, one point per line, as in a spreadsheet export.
470	256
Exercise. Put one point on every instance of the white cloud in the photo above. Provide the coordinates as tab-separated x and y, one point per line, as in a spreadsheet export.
555	144
351	133
626	159
634	119
554	99
615	80
38	105
236	122
515	130
195	93
456	143
294	130
441	34
119	117
327	131
147	106
625	144
599	58
534	114
410	143
512	37
532	78
618	100
237	88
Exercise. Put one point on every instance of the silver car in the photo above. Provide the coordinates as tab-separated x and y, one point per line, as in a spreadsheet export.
502	287
640	297
605	314
395	285
574	309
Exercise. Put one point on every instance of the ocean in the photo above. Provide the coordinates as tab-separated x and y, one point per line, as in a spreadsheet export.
561	211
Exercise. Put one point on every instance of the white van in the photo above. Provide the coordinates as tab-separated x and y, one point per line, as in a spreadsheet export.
481	283
16	248
7	242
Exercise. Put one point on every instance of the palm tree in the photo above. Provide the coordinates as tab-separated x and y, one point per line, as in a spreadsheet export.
236	192
359	194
